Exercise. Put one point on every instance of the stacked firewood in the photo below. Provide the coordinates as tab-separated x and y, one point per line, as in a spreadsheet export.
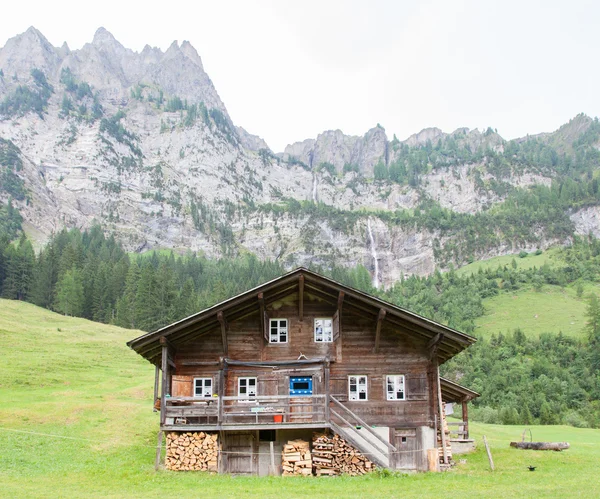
332	455
192	451
296	458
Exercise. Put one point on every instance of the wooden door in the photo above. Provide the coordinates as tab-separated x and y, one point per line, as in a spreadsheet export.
301	408
405	440
240	452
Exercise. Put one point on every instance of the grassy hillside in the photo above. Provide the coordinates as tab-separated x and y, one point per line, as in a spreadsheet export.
553	309
549	257
76	420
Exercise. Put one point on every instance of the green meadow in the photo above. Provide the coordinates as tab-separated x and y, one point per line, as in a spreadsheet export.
76	420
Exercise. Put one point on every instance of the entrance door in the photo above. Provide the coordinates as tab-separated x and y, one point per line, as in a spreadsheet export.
241	458
405	440
301	406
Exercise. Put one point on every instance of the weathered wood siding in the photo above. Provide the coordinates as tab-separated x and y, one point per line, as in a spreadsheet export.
400	352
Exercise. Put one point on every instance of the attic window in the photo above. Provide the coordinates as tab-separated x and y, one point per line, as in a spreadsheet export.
395	387
203	387
323	331
278	331
357	388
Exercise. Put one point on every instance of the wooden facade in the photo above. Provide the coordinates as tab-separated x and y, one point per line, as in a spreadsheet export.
299	353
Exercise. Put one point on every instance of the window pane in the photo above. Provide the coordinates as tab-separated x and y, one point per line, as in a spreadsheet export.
252	381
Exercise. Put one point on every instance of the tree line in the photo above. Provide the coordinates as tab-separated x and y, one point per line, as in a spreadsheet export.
548	379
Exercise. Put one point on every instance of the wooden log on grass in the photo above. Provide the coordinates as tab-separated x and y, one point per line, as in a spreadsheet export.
556	446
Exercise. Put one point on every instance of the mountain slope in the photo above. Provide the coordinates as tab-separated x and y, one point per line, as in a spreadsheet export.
142	143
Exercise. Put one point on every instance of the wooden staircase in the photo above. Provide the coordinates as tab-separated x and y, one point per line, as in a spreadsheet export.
355	430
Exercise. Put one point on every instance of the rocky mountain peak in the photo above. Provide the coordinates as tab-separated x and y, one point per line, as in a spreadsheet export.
421	138
26	51
103	37
191	53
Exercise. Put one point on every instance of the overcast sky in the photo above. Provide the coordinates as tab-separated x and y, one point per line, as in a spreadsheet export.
289	70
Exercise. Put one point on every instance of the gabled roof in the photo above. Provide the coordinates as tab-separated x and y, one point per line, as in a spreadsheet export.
453	392
448	341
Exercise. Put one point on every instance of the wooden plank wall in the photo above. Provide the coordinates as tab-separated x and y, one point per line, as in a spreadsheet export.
353	354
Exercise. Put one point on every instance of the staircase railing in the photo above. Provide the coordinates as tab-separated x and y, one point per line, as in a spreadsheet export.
346	416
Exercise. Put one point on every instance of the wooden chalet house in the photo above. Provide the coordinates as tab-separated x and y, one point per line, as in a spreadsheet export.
303	353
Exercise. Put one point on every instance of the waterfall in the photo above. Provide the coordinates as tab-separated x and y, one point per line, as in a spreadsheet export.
314	189
373	254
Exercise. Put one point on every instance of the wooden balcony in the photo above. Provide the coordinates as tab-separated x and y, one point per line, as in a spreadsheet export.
244	413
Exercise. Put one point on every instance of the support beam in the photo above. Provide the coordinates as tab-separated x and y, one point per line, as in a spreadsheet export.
380	318
327	388
261	306
340	301
158	450
156	381
224	329
441	412
301	298
465	418
163	385
434	345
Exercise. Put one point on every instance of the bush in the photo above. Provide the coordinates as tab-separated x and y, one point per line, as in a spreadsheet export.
573	418
523	254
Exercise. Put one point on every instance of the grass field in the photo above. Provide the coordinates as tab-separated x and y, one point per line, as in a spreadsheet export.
532	260
76	421
553	309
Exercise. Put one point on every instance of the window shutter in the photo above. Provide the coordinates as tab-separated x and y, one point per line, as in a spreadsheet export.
335	324
416	386
182	386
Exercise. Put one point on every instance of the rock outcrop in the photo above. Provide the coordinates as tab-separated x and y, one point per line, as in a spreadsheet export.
149	151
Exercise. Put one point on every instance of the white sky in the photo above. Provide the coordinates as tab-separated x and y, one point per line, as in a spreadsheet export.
289	70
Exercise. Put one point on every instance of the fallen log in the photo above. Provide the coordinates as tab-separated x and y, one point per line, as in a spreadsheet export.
557	446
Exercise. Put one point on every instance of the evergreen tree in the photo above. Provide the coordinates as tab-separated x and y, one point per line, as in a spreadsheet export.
69	293
146	306
19	266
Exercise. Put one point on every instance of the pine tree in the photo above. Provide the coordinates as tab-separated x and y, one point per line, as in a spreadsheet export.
19	267
69	293
126	304
146	301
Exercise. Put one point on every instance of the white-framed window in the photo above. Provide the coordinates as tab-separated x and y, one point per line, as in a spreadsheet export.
357	388
203	387
323	330
247	388
278	331
395	387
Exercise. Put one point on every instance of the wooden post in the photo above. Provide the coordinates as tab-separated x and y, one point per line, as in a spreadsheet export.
489	453
163	387
340	303
272	470
441	410
433	462
221	392
224	328
380	318
465	418
327	389
261	307
156	381
158	450
301	298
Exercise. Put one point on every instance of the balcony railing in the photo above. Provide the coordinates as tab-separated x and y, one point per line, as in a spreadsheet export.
239	411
